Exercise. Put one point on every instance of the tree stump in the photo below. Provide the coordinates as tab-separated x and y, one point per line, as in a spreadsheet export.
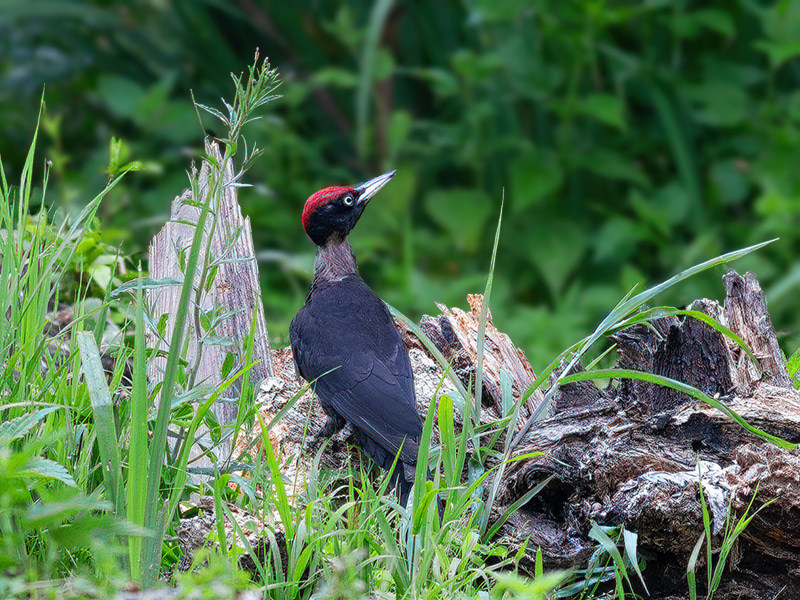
234	288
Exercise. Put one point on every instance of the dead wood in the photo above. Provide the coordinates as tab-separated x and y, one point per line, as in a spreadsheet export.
631	454
234	289
194	533
455	333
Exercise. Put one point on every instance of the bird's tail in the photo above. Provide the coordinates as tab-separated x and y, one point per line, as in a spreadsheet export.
403	475
405	483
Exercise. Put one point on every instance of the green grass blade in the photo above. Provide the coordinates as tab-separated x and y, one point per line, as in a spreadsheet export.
622	311
691	568
487	293
630	540
152	546
243	538
419	509
377	19
730	539
681	387
680	148
596	533
447	435
282	498
792	366
137	451
521	501
220	522
668	311
706	527
643	297
105	425
432	349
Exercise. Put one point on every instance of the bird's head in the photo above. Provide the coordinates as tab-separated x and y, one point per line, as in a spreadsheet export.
332	212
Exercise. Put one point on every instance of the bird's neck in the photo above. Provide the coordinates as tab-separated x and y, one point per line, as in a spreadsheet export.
335	260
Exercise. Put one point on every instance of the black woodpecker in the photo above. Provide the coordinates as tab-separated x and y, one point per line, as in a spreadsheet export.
344	339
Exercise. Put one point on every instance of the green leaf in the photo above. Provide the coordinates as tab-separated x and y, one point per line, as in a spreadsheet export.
44	467
612	165
120	94
103	410
691	24
561	244
19	426
335	77
730	182
778	52
793	365
534	176
606	108
227	364
496	10
462	212
146	283
717	103
524	587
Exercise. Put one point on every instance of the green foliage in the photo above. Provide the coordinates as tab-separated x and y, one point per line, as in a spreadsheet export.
212	576
730	533
56	521
74	439
629	139
614	558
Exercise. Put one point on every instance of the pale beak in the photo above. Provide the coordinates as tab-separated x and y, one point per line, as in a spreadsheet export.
369	188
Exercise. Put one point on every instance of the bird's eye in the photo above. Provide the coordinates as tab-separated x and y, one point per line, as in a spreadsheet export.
348	199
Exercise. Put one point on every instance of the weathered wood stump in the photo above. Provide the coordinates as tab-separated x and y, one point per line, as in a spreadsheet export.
231	296
631	454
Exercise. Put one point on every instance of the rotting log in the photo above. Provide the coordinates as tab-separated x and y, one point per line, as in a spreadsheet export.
631	454
233	288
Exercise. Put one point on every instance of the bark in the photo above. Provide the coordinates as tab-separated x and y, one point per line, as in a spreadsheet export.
632	454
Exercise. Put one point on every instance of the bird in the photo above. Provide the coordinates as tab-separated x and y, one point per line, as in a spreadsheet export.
344	341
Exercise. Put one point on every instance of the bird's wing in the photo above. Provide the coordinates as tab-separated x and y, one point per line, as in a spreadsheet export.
363	370
371	397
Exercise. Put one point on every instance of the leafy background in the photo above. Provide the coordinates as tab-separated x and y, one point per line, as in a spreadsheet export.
630	140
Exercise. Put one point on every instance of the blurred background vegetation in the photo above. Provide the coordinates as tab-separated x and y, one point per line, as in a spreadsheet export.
631	139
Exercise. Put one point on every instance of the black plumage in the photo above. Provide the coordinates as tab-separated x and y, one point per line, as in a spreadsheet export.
345	339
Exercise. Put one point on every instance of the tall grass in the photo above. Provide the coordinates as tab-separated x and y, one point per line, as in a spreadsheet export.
68	433
199	270
48	464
